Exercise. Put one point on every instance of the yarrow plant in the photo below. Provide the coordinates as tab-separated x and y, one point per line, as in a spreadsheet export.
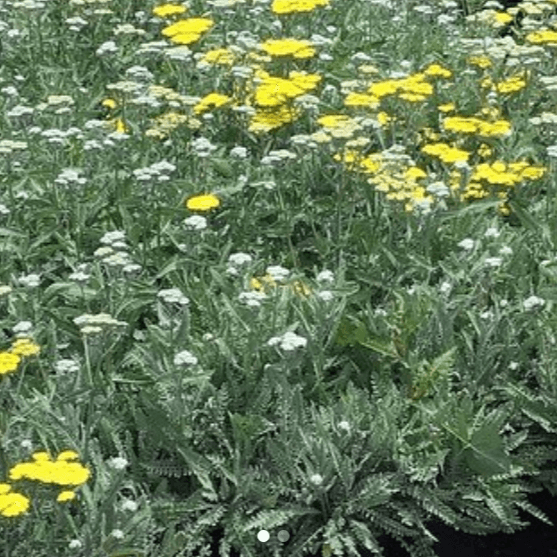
269	277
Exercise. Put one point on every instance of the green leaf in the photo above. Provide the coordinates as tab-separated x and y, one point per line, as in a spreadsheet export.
222	167
128	552
486	454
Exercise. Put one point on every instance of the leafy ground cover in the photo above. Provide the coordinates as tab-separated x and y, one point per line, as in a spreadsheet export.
277	276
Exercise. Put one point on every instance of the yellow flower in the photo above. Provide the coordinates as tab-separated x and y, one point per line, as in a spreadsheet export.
334	121
512	84
12	504
292	6
289	47
8	362
542	36
202	202
187	31
267	120
109	103
361	99
480	61
165	10
384	88
25	347
435	70
211	100
67	455
449	107
65	496
221	56
445	152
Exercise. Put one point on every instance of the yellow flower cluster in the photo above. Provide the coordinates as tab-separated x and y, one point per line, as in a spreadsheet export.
12	503
202	202
267	281
187	31
59	472
507	175
168	9
446	153
275	91
476	126
218	56
281	7
212	100
545	36
339	125
289	47
511	84
10	360
399	183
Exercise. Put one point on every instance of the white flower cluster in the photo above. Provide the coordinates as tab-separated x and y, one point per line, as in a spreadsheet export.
278	156
114	252
31	281
70	176
185	358
236	260
288	341
93	324
195	222
173	296
66	366
533	302
203	147
156	171
118	463
23	329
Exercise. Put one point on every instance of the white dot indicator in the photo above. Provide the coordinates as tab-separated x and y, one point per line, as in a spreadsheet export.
283	536
263	536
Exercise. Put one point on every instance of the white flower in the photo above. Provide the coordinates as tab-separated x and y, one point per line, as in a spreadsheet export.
112	237
445	287
513	365
118	534
185	358
23	327
326	295
118	463
88	330
173	295
252	299
326	276
4	289
239	258
32	281
289	341
79	276
492	233
505	250
277	272
239	152
533	301
66	366
129	505
316	479
196	222
344	425
75	544
493	261
467	244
